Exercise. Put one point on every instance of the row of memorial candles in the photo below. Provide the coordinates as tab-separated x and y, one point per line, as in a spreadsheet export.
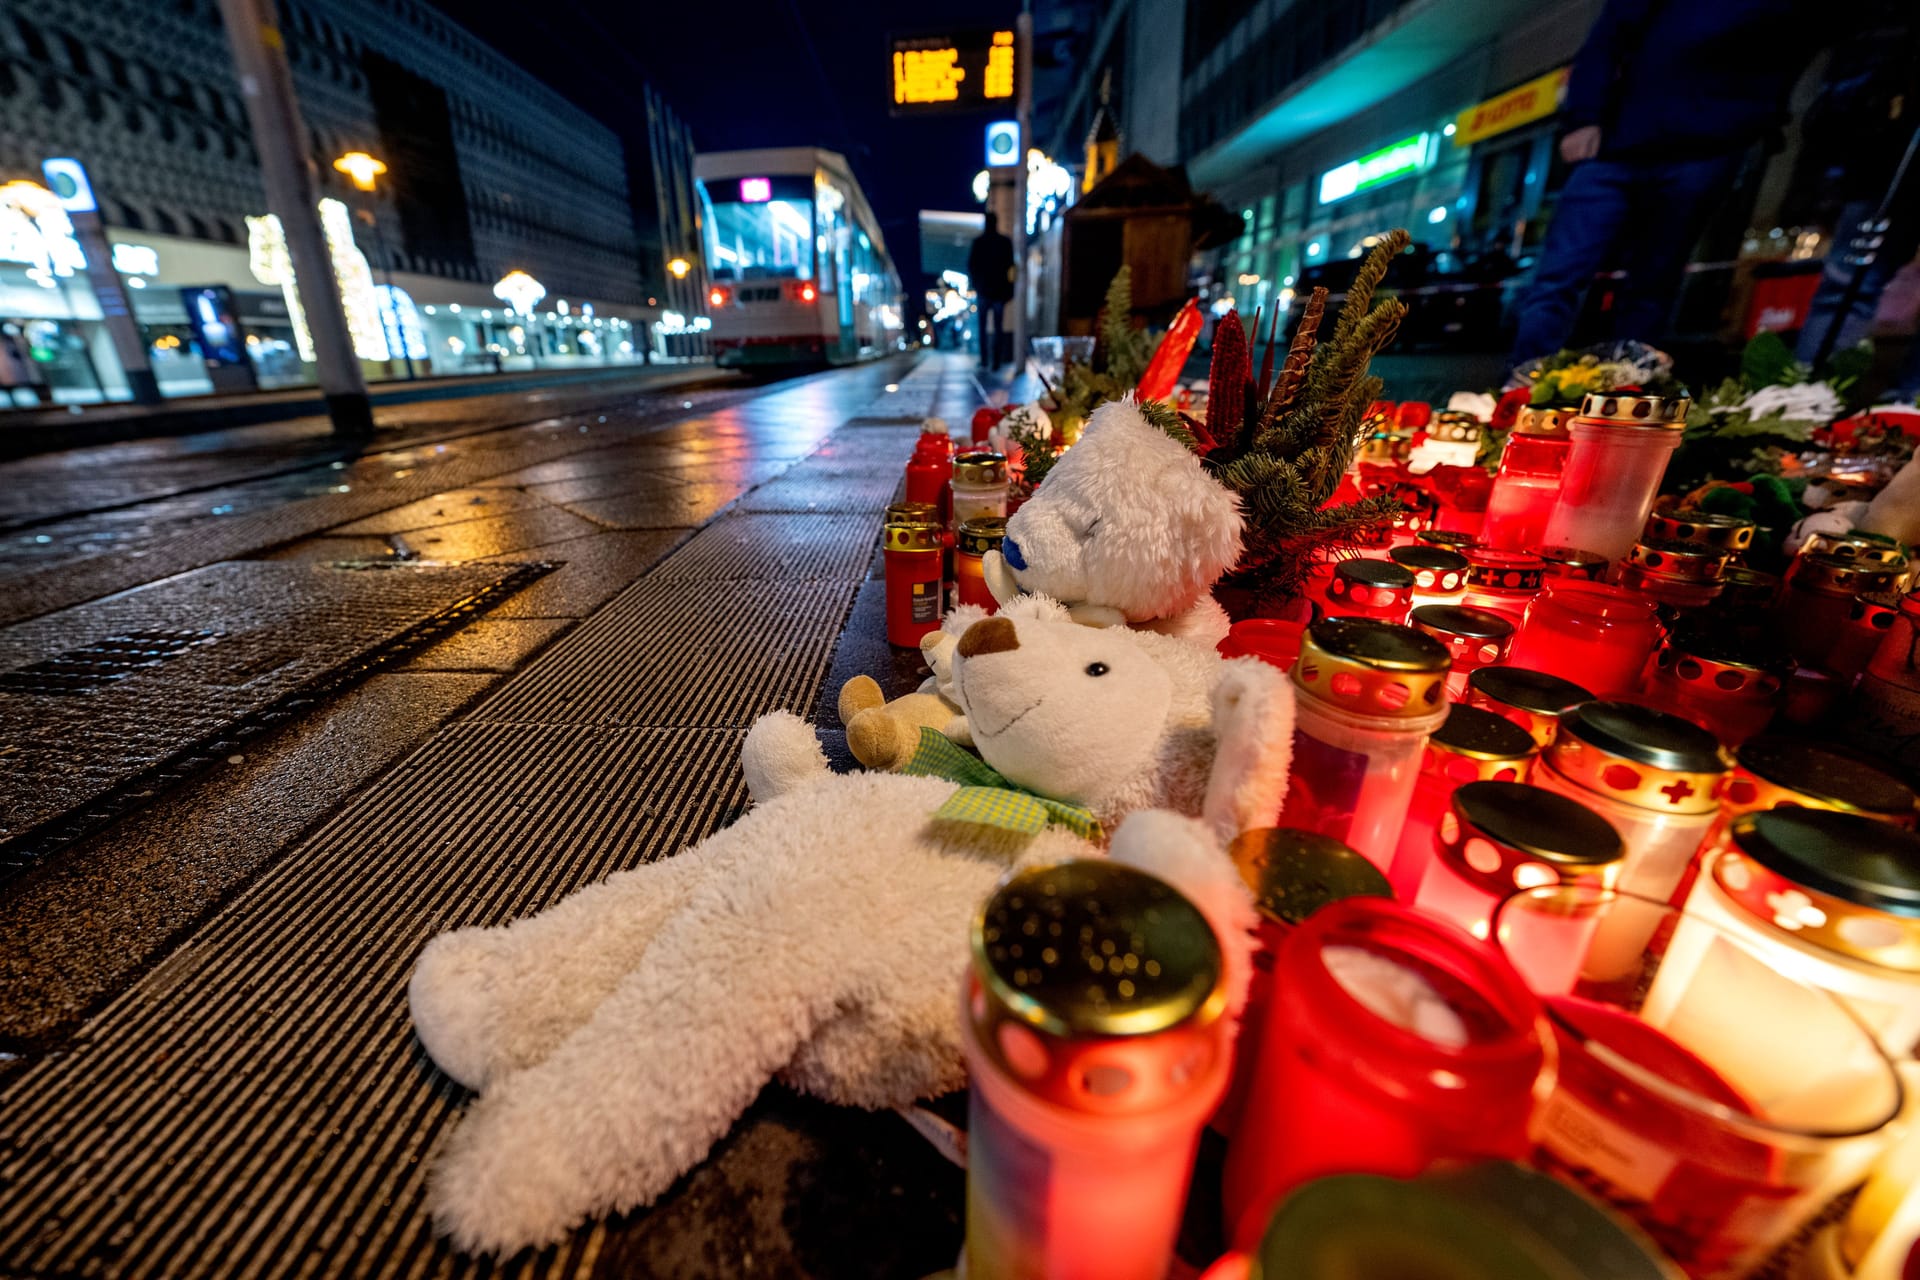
936	539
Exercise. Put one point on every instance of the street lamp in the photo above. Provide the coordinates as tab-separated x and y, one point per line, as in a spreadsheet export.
362	169
678	268
522	292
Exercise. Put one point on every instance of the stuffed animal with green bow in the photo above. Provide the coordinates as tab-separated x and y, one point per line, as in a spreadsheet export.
818	941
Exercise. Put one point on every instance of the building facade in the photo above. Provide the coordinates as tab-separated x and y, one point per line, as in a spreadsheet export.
489	171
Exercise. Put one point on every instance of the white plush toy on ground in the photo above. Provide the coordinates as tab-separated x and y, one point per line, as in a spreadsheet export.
820	940
1128	527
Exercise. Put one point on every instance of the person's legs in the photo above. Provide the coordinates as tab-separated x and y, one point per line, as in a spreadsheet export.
1672	204
989	334
1586	224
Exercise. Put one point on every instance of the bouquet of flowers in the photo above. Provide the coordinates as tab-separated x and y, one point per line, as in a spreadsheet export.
1565	378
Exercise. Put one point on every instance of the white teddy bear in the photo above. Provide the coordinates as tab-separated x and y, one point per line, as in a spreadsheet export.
1128	527
820	939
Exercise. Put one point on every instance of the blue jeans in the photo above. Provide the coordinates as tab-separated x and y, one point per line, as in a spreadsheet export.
1639	217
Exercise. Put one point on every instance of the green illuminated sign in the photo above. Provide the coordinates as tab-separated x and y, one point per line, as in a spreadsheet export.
1377	168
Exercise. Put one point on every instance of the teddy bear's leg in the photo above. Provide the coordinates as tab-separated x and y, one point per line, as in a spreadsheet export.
638	1094
489	1001
862	693
781	754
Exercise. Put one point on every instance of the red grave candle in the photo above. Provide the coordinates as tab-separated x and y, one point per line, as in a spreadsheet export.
1503	582
915	582
930	469
1377	589
1597	634
1473	745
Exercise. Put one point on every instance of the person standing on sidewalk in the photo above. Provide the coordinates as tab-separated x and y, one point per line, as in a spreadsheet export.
1665	98
990	272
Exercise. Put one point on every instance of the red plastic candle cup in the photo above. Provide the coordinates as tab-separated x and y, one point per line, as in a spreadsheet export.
1393	1040
1524	491
1713	1098
1439	573
1292	874
1272	640
1534	700
1597	634
1095	1055
1503	582
1572	562
915	581
1378	589
1474	639
1472	746
1731	690
1496	837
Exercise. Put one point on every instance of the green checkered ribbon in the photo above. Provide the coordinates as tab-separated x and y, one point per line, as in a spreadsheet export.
986	798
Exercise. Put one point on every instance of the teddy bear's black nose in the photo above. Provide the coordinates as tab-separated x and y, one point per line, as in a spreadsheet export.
989	635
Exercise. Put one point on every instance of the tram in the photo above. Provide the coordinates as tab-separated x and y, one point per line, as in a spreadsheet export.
798	271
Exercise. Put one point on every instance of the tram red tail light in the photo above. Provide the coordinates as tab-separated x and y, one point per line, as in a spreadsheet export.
802	290
719	296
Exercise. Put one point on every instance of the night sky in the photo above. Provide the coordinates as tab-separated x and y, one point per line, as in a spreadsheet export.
761	73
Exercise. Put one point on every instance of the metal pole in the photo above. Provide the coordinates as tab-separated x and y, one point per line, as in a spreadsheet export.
286	172
116	310
1023	77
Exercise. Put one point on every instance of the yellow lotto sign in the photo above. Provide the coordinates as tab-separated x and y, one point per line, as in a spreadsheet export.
1534	100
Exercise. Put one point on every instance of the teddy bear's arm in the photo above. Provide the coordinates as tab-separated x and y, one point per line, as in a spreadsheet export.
1253	734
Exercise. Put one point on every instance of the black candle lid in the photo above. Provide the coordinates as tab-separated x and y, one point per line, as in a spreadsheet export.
1841	781
1843	855
1538	823
1534	691
1375	573
1481	735
1461	620
1647	736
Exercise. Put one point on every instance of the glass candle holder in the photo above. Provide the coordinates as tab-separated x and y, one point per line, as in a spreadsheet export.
1503	582
1598	634
1524	490
1474	638
1729	688
1292	874
1496	837
1573	563
1369	694
1376	589
977	537
1392	1040
915	579
1451	539
1621	444
1656	777
1880	1237
1088	1093
1719	1120
1473	745
1490	1219
1727	535
979	486
1439	575
1533	700
1832	899
1815	603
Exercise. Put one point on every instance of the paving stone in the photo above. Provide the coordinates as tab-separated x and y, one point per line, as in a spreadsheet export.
491	644
590	572
688	504
647	480
441	508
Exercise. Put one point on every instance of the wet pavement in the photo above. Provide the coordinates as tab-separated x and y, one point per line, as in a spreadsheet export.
209	1066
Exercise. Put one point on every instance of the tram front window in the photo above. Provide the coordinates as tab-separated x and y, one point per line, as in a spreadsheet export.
765	238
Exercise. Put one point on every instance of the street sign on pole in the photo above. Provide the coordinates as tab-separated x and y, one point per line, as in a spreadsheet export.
1003	143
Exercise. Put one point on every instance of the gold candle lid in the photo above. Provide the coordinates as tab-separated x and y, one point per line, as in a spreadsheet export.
1476	745
1492	570
1572	562
1294	873
1868	548
1454	427
1829	575
1640	756
1620	408
981	468
912	513
914	537
1772	771
1743	589
1095	948
1542	422
1433	568
1684	561
1505	836
981	534
1371	667
1369	584
1725	666
1730	534
1836	880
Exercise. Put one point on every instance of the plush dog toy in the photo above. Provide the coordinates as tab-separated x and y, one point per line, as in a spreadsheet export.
1127	528
819	940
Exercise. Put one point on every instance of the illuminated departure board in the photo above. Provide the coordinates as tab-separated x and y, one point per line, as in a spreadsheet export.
952	71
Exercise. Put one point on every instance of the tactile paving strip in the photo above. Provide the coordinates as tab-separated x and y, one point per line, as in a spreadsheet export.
258	1106
684	653
276	632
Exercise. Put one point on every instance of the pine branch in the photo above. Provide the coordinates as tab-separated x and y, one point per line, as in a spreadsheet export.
1116	317
1359	299
1165	417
